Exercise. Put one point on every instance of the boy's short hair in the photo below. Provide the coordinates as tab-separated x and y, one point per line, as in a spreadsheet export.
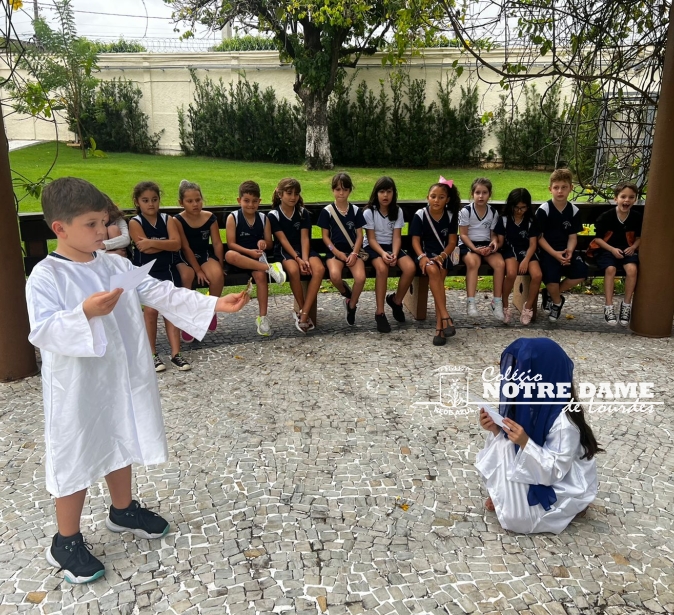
68	197
622	185
249	187
561	175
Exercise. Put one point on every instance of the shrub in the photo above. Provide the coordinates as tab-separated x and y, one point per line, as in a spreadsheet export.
120	46
246	43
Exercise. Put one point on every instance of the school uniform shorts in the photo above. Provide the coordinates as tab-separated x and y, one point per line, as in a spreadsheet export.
554	271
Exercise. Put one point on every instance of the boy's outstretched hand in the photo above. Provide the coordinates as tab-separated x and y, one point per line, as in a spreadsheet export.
233	302
101	304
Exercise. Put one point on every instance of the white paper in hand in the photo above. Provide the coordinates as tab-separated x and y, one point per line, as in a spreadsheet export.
495	416
130	279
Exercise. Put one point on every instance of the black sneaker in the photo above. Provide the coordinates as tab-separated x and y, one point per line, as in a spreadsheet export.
397	310
350	312
625	314
382	323
139	520
347	290
180	363
74	558
556	310
158	363
546	301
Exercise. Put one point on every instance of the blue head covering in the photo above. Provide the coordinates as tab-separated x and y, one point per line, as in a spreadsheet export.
533	357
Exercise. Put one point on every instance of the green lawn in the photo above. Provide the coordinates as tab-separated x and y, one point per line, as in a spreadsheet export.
219	179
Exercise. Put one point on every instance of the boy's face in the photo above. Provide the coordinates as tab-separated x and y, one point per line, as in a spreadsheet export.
83	235
560	191
625	200
249	203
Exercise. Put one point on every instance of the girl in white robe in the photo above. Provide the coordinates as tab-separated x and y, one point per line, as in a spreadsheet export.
541	472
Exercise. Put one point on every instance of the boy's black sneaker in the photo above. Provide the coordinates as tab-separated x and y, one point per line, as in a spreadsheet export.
350	312
158	363
180	363
382	323
556	310
137	519
546	301
397	310
73	557
347	290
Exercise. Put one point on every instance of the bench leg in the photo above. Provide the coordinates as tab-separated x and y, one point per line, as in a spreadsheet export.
521	293
313	311
416	299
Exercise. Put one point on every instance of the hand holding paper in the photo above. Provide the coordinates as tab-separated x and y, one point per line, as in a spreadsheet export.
130	279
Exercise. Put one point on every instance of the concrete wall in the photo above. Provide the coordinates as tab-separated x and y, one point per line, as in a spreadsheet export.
166	84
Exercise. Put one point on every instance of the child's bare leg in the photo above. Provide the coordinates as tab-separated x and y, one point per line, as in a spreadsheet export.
119	486
150	316
380	283
69	512
536	276
335	267
567	284
216	278
473	262
173	335
262	286
408	270
511	273
496	262
609	285
318	270
554	292
187	275
244	262
436	281
631	271
358	272
293	271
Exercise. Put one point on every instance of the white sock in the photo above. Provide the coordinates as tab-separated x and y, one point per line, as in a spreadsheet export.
471	299
498	299
627	304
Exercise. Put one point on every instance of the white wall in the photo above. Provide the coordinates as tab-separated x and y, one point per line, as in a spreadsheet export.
166	84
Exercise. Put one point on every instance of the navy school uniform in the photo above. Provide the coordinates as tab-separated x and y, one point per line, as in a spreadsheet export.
247	235
619	235
479	229
353	222
446	226
198	239
292	228
165	265
517	236
555	226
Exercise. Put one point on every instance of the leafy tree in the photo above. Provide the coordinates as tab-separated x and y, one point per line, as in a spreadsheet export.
320	38
61	68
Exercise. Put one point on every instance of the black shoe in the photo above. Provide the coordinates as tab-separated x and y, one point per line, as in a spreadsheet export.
74	558
347	290
397	310
439	339
350	312
556	310
137	519
180	363
158	363
546	301
448	327
382	323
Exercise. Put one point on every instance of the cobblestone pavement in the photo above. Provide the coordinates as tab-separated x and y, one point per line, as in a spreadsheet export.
302	478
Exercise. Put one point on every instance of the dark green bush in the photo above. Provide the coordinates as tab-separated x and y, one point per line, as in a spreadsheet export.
246	43
114	119
120	46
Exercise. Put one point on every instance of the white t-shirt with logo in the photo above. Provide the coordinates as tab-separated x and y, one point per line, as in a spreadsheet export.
479	229
382	226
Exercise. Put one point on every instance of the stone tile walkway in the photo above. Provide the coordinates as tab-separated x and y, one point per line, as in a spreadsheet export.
303	478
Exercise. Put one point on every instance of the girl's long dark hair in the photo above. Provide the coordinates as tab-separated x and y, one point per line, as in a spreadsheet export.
142	187
384	183
454	201
286	184
587	439
517	196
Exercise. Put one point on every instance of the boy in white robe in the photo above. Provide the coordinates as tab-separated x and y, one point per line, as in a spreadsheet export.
101	399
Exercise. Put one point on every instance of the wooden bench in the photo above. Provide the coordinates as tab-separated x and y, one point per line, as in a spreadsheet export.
35	233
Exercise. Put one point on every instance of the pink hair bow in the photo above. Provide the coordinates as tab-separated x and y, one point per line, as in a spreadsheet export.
448	182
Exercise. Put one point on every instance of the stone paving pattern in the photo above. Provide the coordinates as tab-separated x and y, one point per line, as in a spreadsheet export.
303	480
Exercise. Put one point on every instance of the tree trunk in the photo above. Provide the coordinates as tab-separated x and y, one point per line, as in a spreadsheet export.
317	151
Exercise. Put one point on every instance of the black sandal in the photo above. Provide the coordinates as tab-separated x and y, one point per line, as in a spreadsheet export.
450	329
439	339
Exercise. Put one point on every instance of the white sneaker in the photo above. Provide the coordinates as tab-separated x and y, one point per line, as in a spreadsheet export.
497	310
471	308
276	273
263	326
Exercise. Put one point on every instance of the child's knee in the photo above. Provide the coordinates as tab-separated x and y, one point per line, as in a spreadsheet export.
610	271
631	270
259	276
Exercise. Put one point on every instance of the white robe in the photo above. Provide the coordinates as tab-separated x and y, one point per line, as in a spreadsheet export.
101	399
557	463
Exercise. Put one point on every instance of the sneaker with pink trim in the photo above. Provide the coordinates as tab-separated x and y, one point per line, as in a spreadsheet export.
506	315
526	316
214	323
